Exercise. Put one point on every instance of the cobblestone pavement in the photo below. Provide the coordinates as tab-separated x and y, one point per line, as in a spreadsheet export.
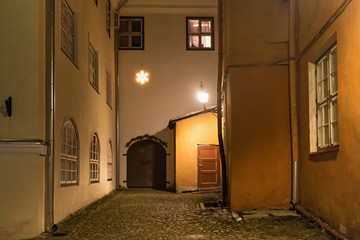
153	214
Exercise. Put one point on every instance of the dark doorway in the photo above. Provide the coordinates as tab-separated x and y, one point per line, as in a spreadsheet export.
146	165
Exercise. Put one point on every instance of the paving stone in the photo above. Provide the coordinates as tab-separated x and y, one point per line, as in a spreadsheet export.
152	214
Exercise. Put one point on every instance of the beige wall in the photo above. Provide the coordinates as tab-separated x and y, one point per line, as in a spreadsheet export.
75	97
175	74
260	167
22	76
201	129
329	182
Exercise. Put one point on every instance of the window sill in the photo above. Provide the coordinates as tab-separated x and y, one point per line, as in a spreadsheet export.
325	150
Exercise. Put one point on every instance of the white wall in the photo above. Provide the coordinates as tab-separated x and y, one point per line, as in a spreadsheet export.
175	74
76	97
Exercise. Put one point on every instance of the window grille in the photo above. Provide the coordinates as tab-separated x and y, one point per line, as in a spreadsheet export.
131	33
94	159
93	68
109	162
108	89
327	99
67	31
199	33
69	157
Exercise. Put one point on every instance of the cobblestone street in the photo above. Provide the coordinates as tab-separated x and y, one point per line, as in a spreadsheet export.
153	214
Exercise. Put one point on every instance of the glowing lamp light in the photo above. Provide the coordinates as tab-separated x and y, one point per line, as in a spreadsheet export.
142	77
203	97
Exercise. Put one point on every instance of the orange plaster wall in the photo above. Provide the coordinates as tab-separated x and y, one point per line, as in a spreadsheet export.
260	165
201	129
329	183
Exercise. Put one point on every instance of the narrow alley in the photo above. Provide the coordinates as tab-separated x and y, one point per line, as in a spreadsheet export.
153	214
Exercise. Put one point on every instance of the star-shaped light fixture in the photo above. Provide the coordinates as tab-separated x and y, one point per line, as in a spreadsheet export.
142	77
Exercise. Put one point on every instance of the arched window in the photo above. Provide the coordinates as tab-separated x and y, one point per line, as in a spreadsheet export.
94	159
109	162
69	154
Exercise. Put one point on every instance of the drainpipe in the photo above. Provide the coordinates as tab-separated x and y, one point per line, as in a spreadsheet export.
121	4
50	104
219	108
293	14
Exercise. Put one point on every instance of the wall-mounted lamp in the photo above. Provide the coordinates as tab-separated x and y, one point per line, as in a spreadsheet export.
202	95
142	77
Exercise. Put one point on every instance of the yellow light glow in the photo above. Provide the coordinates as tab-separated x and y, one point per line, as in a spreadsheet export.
142	77
203	97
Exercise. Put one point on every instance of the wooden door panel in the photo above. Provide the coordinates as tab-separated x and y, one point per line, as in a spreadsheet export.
208	166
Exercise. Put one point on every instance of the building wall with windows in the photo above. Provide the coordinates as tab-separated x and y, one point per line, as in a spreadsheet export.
84	67
22	74
175	73
329	176
258	146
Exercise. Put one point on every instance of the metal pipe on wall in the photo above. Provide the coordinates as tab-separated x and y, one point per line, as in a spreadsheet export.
293	98
219	108
50	105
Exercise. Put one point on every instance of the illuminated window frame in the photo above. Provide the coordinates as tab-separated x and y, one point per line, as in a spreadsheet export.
94	159
127	35
68	32
109	162
93	68
200	34
69	155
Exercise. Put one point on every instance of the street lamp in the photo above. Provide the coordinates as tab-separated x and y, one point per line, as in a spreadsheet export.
202	95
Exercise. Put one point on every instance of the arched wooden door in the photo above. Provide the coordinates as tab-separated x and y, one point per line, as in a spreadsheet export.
146	165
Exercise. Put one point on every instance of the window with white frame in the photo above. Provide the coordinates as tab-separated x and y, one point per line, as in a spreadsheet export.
327	126
93	68
94	159
131	33
68	41
69	155
199	33
108	89
108	17
109	162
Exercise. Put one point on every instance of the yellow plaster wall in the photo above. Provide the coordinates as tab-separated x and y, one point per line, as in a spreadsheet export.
201	129
22	76
76	97
260	167
329	183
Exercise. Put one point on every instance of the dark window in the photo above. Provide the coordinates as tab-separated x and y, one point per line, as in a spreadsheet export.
200	33
131	33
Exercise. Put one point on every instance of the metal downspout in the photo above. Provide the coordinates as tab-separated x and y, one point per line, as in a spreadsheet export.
219	108
50	104
293	99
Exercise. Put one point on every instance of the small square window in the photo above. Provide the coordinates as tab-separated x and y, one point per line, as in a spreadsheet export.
131	33
200	33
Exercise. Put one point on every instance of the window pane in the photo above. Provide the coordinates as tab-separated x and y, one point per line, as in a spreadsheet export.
206	41
325	88
124	41
136	41
136	26
194	26
206	26
194	41
335	133
124	26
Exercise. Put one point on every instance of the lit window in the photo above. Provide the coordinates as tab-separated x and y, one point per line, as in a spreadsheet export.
323	101
109	162
69	155
93	68
327	100
108	89
94	159
108	17
199	33
131	33
68	31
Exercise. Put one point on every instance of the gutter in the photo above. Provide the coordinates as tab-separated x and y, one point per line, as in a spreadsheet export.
121	5
219	108
50	106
